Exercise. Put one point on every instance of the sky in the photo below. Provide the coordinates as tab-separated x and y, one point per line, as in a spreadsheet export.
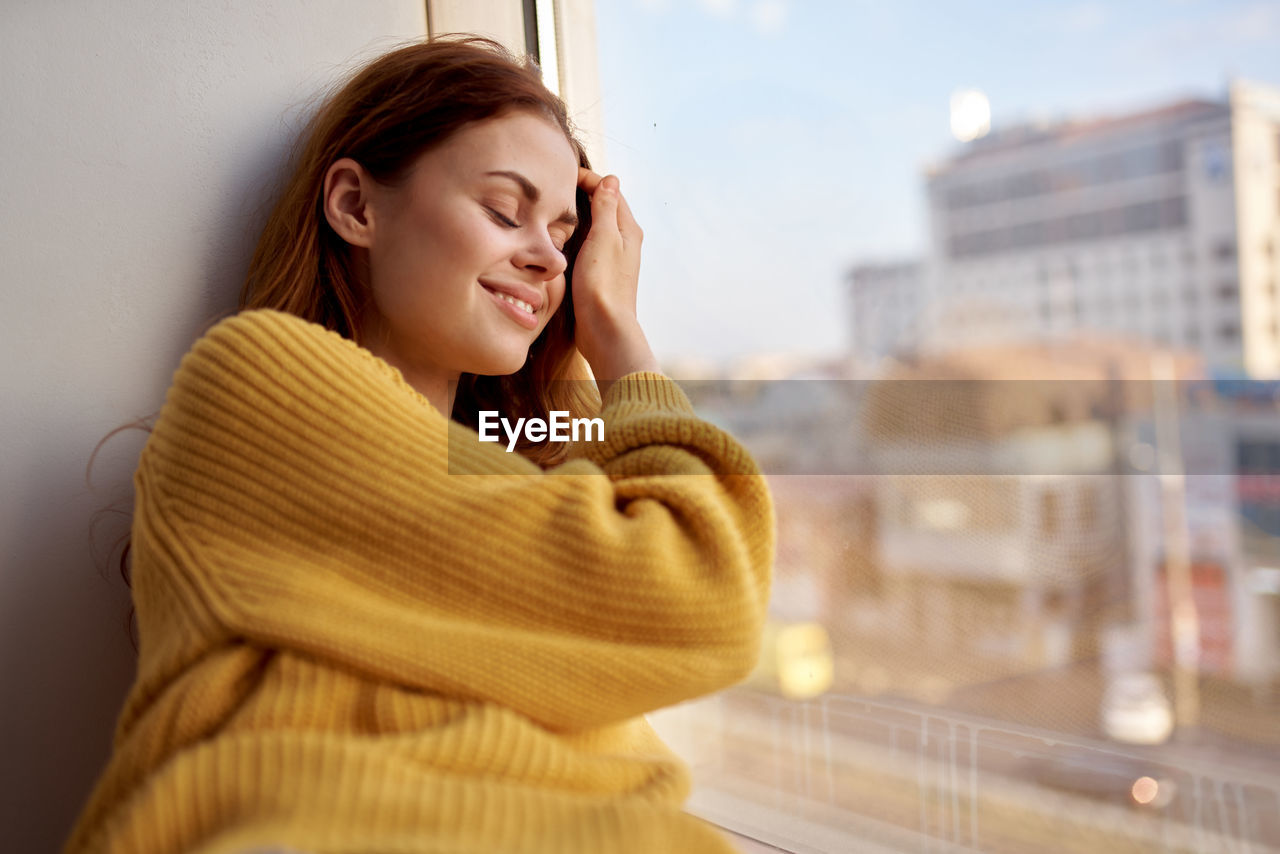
766	146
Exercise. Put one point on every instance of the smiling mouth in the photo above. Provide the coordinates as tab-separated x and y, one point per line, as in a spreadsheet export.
518	303
517	309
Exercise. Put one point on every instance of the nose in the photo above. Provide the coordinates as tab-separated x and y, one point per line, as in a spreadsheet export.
541	256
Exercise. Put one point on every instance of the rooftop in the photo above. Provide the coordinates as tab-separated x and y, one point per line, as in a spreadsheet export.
1022	136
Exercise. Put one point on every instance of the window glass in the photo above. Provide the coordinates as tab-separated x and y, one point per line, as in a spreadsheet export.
1027	589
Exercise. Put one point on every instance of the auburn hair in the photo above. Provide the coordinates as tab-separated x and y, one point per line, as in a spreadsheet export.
396	108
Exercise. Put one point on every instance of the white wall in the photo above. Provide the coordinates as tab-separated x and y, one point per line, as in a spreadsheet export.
135	142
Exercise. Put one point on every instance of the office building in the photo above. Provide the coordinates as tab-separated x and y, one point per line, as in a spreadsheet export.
1162	225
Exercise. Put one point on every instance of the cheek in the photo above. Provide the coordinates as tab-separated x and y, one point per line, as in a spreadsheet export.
555	294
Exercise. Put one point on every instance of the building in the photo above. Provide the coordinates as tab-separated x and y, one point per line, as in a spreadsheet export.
1162	225
1000	512
885	310
1021	513
1230	495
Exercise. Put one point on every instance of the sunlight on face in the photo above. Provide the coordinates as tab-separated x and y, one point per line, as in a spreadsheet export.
466	263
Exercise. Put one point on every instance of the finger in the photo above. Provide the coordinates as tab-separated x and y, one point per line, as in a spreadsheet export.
604	203
588	180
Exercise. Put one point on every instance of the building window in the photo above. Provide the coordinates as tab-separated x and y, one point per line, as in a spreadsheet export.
1229	332
1228	291
1144	216
1224	250
1158	215
1173	212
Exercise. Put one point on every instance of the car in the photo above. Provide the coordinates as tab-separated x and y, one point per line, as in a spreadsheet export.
1135	709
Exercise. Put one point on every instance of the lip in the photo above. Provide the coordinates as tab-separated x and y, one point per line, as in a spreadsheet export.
521	292
519	315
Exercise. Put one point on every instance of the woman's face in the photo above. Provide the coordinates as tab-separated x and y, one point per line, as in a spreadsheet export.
466	262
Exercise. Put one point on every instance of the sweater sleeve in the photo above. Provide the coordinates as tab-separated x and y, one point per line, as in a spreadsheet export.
316	502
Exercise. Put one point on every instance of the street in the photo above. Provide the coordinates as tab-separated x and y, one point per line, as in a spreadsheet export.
846	774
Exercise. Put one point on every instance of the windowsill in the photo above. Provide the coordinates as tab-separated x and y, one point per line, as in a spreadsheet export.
747	845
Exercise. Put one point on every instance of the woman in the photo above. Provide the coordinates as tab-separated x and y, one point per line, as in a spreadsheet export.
347	643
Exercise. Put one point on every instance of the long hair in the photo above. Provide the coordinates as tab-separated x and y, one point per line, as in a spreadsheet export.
392	111
395	109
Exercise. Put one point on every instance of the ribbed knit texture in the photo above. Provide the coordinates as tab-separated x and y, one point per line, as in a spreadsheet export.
346	648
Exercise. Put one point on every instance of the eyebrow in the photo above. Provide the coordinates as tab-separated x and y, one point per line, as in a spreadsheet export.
532	193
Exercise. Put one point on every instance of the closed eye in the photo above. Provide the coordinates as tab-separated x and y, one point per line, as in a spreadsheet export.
508	222
503	219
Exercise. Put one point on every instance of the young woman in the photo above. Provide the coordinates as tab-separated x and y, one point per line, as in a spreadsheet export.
361	629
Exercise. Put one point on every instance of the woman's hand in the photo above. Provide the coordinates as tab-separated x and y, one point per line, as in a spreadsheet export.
606	277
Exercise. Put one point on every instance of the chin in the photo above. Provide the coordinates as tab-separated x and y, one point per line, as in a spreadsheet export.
503	366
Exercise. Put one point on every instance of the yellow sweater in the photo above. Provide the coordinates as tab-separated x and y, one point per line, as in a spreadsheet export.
352	643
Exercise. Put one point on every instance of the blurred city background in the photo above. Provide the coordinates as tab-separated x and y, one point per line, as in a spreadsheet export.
991	292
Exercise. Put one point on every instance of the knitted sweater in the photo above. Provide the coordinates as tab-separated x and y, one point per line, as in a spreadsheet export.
350	643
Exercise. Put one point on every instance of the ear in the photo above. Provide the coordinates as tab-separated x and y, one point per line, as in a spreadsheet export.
347	194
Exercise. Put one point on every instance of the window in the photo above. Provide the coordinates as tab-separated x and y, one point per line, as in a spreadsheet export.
967	625
1173	212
